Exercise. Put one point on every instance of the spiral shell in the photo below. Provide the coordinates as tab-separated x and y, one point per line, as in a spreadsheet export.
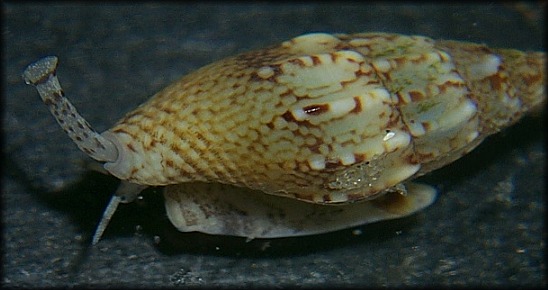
319	119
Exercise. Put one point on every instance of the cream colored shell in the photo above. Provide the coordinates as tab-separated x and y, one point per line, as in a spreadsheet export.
327	118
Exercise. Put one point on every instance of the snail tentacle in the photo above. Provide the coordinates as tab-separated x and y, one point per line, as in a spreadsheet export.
42	75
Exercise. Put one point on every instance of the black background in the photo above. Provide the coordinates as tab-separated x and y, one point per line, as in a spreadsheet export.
485	228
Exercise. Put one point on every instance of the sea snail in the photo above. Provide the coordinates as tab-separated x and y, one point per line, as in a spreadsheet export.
319	133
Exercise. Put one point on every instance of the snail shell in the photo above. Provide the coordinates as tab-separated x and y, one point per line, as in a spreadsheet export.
321	119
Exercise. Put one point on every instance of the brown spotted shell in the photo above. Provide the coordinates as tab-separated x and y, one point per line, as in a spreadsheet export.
327	118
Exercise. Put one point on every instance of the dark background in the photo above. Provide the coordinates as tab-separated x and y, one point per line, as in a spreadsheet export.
485	228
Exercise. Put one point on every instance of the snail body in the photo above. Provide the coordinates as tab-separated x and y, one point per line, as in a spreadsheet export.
261	144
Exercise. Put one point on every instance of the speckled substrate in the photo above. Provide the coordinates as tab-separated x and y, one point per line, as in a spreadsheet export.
486	227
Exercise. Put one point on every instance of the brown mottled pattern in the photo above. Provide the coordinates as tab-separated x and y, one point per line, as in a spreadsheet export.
328	118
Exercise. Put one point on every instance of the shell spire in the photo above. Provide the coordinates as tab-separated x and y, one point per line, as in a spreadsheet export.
505	83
